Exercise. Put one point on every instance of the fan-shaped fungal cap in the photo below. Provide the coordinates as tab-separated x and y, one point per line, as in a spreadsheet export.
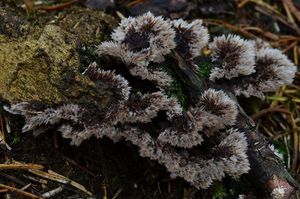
140	40
273	69
184	133
181	139
144	108
120	50
190	37
214	111
233	56
36	119
156	75
219	104
174	140
233	153
100	77
99	131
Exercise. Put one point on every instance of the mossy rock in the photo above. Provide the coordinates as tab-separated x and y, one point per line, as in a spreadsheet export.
88	25
41	63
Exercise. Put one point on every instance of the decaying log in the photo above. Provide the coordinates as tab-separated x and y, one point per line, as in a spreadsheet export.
268	173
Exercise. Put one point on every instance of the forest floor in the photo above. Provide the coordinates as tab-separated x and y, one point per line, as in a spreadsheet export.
47	166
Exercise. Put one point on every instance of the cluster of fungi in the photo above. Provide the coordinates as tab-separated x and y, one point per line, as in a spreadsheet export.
198	140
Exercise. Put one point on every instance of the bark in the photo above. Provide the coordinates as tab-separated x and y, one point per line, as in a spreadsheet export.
268	173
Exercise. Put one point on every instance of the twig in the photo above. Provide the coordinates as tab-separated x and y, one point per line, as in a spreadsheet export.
117	193
266	34
288	12
12	178
18	166
280	136
288	154
267	131
2	125
73	183
278	93
290	46
16	180
40	180
2	133
3	190
24	193
262	4
26	187
57	6
135	2
278	18
28	5
242	3
53	192
295	51
229	26
51	175
104	189
269	110
296	143
293	9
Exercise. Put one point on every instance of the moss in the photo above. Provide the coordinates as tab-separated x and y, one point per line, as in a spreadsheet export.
87	55
218	191
204	69
175	89
16	138
11	25
88	25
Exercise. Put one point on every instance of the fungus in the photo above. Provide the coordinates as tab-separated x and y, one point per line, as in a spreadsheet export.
233	56
161	78
140	40
183	133
190	37
146	107
214	111
241	67
273	69
108	78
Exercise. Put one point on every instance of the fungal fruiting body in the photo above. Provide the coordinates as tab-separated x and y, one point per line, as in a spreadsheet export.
234	55
142	43
273	69
249	68
190	38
